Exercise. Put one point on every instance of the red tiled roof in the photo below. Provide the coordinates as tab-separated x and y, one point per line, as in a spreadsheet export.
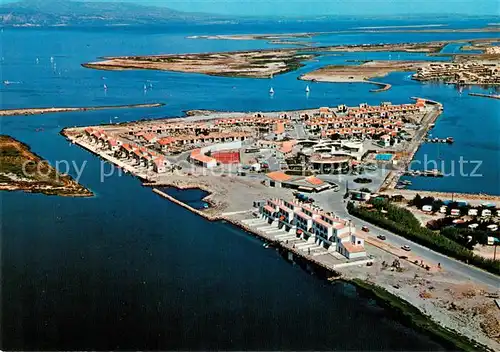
149	136
313	180
166	141
351	248
279	176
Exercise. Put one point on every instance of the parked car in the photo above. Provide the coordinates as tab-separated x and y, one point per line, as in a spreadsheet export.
406	248
365	229
381	237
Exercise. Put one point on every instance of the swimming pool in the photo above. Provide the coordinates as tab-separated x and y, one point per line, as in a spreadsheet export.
383	157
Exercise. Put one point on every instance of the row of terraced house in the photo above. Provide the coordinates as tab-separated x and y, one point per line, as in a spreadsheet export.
315	226
137	155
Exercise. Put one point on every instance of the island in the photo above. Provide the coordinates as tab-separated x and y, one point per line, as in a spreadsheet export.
21	169
254	63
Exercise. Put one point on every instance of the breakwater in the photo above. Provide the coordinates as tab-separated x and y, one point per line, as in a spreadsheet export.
383	86
492	96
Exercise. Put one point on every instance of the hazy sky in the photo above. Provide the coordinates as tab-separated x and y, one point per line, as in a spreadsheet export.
326	7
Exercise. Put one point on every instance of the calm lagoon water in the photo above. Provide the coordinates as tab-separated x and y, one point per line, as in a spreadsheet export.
128	269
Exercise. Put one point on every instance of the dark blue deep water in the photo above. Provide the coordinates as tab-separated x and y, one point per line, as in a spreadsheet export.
128	269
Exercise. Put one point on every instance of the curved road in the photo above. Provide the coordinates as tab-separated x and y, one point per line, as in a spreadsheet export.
448	264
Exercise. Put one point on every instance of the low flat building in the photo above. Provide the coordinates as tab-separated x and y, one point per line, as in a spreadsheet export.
306	184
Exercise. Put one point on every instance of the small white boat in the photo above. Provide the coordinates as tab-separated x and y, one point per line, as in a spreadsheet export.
145	88
271	91
307	89
105	87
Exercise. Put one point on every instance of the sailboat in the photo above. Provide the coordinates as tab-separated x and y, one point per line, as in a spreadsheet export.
105	87
271	91
307	89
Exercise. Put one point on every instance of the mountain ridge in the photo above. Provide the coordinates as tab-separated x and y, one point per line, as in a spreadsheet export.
61	12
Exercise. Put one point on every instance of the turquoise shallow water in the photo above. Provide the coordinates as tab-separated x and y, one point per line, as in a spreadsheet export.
129	270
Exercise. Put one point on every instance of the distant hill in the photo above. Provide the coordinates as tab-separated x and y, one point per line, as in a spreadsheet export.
74	13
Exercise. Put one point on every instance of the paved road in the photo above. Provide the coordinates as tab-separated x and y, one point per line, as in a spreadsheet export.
334	202
300	132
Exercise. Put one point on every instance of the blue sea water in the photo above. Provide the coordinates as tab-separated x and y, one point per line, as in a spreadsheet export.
128	269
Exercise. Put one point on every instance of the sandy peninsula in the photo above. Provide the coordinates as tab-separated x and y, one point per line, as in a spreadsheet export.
21	169
362	73
41	111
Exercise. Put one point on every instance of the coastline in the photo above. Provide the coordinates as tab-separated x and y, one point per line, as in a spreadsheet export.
380	29
223	209
404	310
412	316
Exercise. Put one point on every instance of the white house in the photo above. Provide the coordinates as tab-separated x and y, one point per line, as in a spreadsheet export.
352	246
472	212
385	140
492	227
427	208
486	212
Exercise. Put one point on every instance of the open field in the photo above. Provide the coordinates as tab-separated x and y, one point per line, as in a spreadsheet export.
40	111
21	169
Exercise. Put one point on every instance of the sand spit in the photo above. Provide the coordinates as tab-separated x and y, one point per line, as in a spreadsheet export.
41	111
